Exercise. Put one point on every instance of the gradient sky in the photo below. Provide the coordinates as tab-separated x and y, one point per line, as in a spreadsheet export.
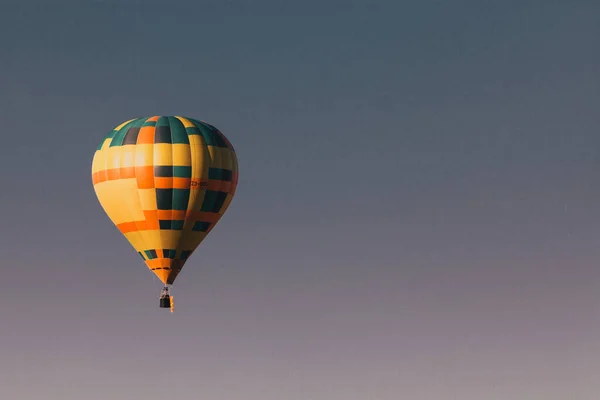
416	218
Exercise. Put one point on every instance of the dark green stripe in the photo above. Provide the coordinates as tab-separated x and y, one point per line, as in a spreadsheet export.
177	224
178	132
169	253
169	171
209	133
164	224
162	132
118	139
181	198
180	171
220	174
192	130
162	121
163	171
201	226
213	201
167	224
168	130
172	199
164	198
222	138
110	135
102	142
131	136
151	254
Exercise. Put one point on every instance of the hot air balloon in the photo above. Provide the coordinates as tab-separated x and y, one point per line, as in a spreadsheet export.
165	182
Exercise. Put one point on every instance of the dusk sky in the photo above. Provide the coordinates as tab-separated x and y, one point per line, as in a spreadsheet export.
417	215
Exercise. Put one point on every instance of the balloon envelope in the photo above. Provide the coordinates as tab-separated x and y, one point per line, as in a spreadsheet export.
165	182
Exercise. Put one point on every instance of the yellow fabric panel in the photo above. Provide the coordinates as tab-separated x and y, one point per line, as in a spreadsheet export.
163	154
98	161
220	157
145	240
131	201
106	144
216	157
196	199
127	156
192	240
186	122
199	162
155	239
120	200
137	237
182	154
123	124
147	199
144	155
169	239
196	140
113	157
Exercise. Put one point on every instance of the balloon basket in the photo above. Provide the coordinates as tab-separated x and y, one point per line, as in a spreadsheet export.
165	302
165	298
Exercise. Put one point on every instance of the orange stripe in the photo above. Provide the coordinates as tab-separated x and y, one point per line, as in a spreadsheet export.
127	227
162	262
146	135
181	183
161	182
196	184
151	219
133	226
172	183
96	178
202	216
127	172
147	180
171	214
114	174
159	262
221	186
145	177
